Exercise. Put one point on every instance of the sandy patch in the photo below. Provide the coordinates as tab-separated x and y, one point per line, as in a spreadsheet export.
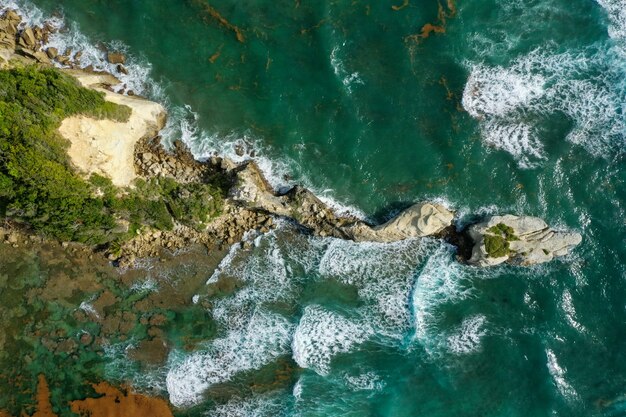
106	147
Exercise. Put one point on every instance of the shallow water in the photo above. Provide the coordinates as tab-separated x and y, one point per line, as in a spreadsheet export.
518	107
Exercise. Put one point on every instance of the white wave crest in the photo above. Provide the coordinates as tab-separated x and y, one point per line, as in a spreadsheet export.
368	381
257	406
440	282
386	285
617	15
558	375
348	78
323	334
499	91
512	103
467	338
266	337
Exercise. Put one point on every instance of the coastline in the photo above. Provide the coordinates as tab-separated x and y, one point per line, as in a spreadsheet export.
253	205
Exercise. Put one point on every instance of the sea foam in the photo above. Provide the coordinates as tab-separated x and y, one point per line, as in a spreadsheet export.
266	337
586	86
323	334
386	286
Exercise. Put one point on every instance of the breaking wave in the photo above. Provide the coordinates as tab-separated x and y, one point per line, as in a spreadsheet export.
512	104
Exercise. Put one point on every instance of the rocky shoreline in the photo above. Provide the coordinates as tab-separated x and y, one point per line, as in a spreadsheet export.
252	204
251	207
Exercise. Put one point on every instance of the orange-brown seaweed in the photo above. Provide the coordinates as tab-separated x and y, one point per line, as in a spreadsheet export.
443	14
44	407
212	14
120	403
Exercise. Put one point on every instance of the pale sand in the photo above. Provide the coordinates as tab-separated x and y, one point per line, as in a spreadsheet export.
106	147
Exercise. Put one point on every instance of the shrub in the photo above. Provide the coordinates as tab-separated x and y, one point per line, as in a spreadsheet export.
37	184
496	246
39	187
497	243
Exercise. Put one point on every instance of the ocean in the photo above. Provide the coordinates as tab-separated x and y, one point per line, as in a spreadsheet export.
489	107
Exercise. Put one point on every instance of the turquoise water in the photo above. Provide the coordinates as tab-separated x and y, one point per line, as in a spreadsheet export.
517	108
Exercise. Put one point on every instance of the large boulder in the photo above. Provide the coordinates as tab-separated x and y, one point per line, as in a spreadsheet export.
27	39
519	240
419	220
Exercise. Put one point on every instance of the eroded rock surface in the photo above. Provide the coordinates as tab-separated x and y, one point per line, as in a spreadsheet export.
519	240
419	220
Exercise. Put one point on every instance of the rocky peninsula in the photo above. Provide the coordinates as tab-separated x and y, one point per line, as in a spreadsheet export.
126	151
158	200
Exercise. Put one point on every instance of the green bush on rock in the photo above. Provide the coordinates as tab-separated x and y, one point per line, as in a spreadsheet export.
497	242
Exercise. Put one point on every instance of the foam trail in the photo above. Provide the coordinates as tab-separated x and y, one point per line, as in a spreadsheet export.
558	375
368	381
440	282
513	103
617	15
266	337
385	286
322	334
467	339
258	406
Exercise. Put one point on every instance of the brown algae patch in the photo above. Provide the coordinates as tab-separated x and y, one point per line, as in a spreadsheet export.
44	407
402	6
443	14
212	14
115	402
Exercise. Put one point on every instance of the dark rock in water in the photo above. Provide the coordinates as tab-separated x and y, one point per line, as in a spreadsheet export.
116	58
461	240
122	69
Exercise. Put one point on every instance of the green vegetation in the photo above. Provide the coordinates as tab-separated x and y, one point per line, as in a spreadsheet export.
497	243
39	187
503	230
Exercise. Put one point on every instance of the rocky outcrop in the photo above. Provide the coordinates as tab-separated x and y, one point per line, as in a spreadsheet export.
420	220
519	240
153	160
116	58
125	151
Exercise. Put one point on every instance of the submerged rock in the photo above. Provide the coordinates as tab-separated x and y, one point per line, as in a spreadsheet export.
519	240
116	58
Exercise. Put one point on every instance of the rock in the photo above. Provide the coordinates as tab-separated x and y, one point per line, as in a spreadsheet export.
12	238
116	58
27	39
38	56
52	52
519	240
12	16
38	32
420	220
7	41
122	69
